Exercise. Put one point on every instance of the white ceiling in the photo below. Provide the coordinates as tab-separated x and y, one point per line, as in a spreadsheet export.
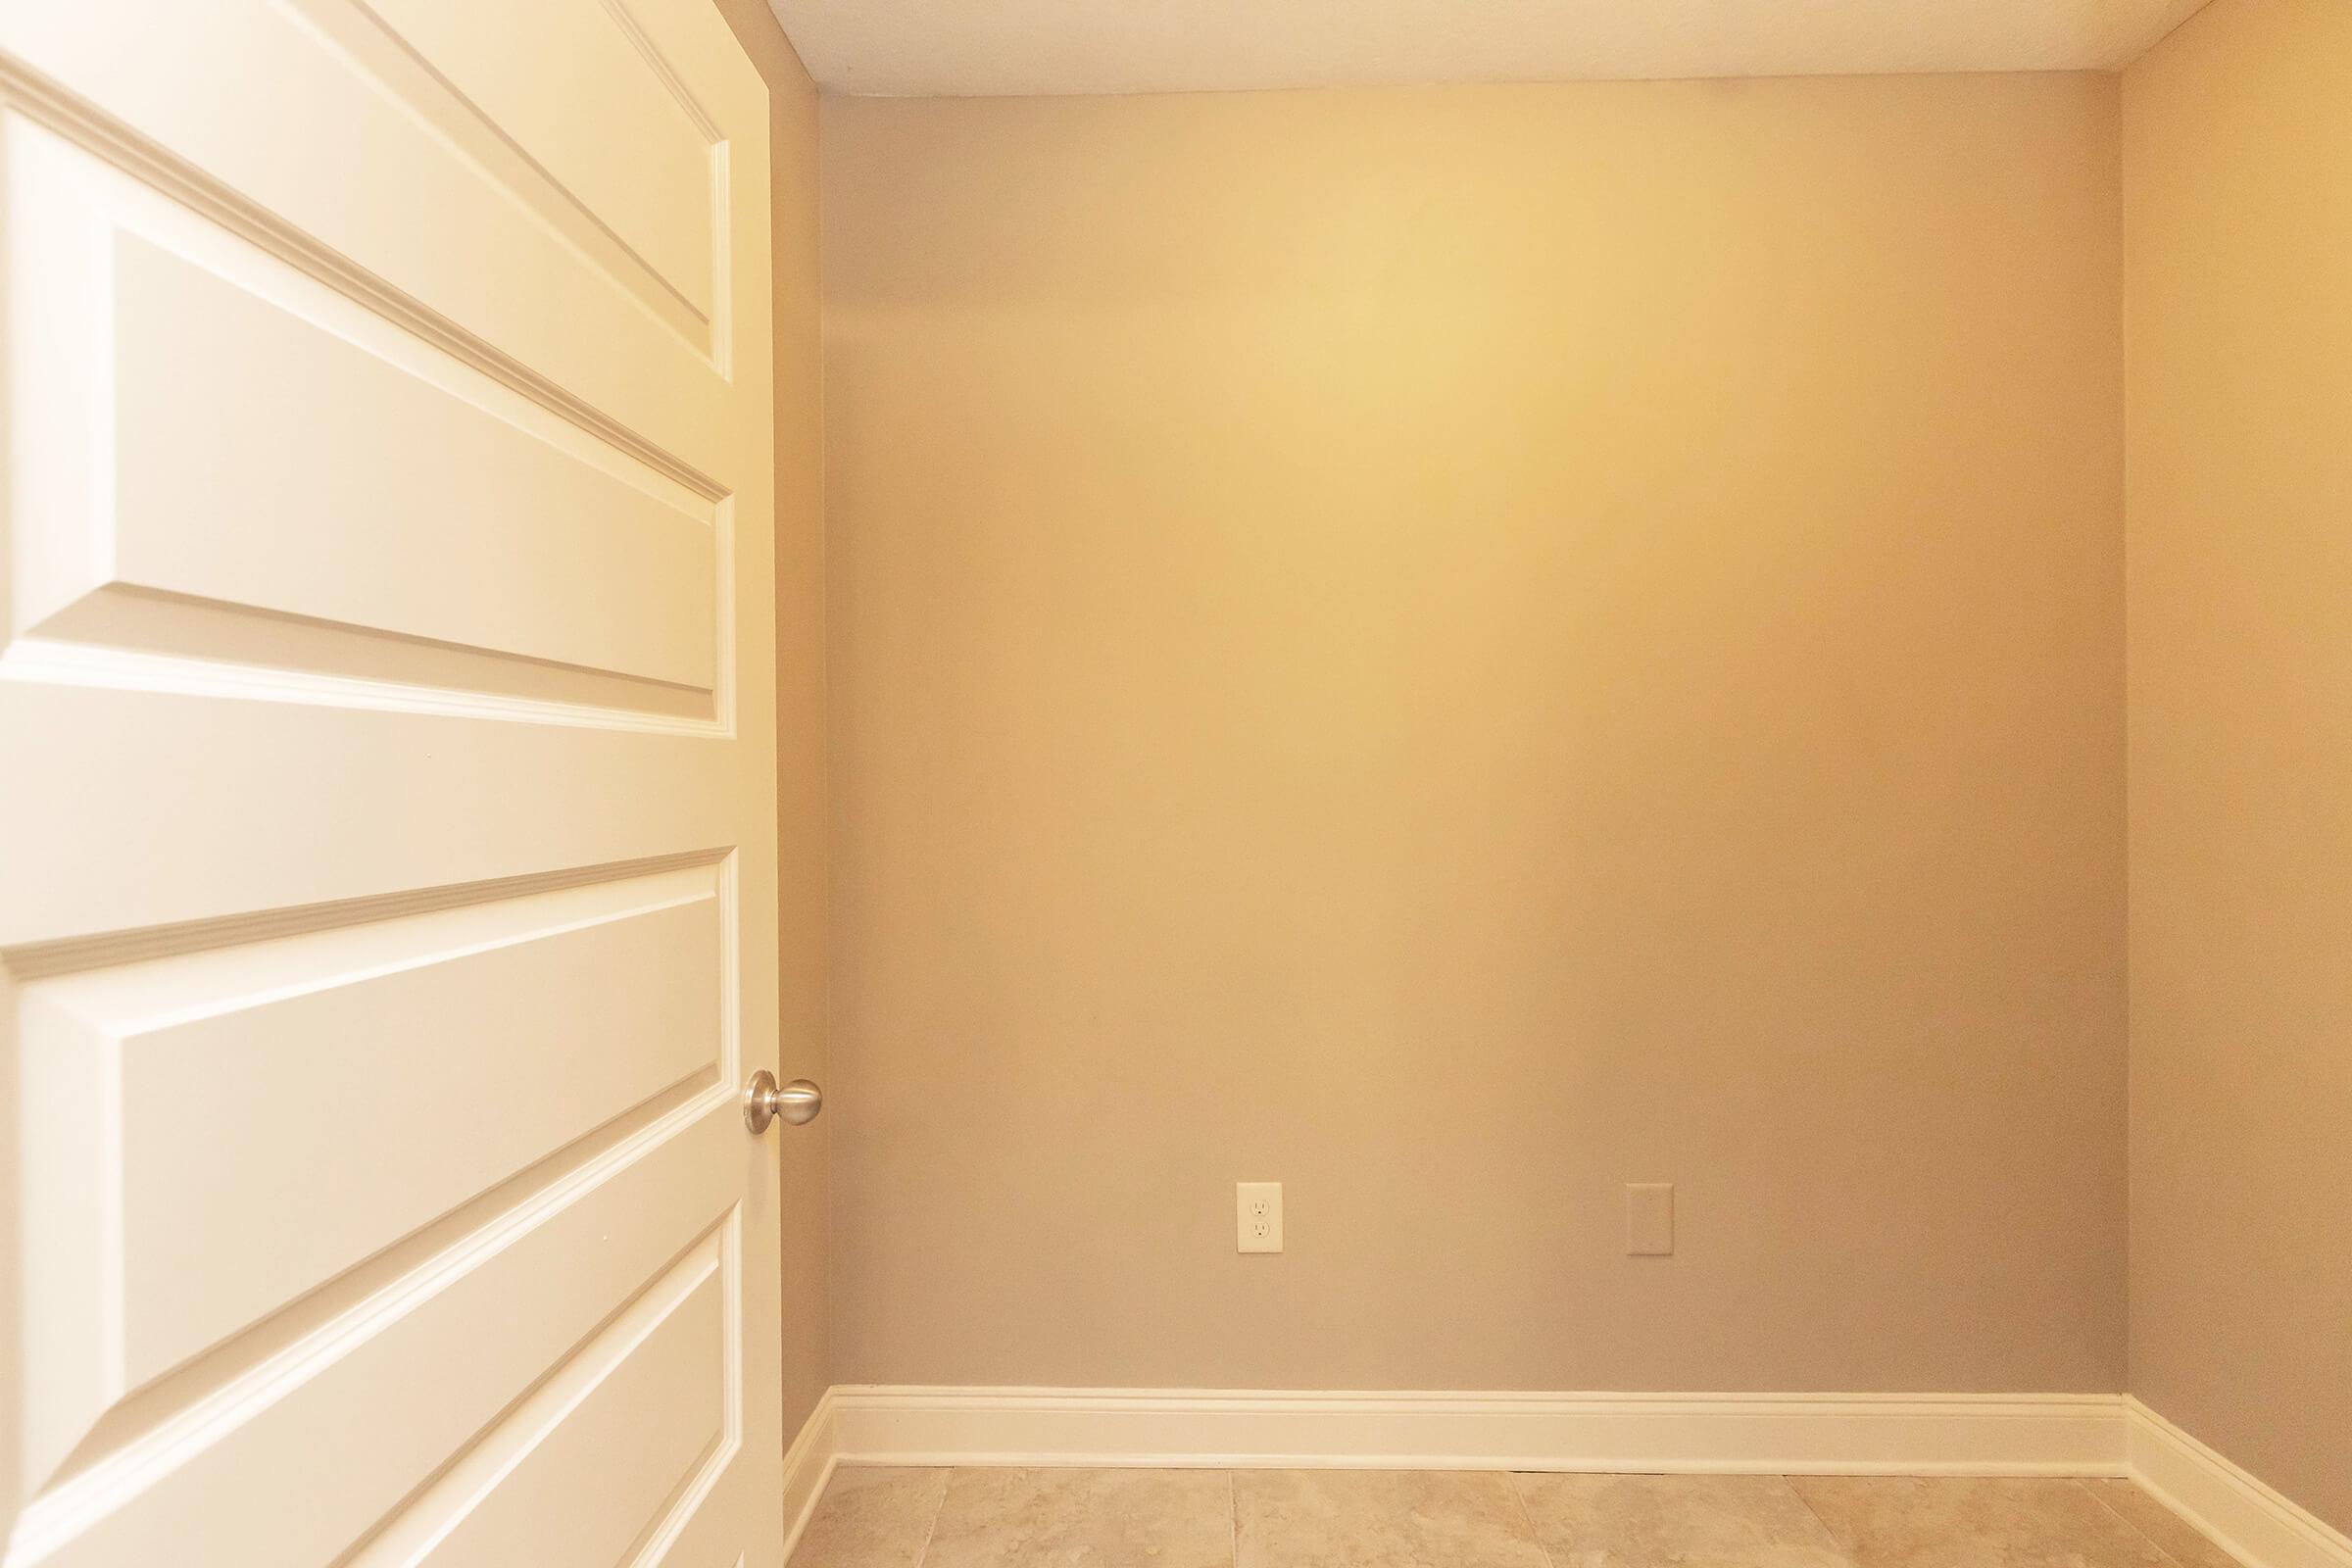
977	47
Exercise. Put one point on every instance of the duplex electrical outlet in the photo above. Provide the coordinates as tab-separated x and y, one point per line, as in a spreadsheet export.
1257	1215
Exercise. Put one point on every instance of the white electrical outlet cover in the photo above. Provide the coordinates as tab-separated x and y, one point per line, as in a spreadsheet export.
1257	1217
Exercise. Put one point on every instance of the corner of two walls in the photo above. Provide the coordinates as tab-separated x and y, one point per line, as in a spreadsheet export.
2238	223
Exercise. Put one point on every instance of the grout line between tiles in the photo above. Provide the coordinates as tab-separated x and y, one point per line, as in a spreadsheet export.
2098	1496
947	1480
1511	1478
1233	1512
1828	1529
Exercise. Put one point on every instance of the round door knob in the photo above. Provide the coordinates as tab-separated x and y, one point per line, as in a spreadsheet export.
797	1102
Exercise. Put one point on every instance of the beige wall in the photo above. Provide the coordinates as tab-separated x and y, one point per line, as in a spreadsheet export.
1454	650
802	844
2238	163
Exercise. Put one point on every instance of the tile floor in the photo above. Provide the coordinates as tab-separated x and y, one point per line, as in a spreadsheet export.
979	1518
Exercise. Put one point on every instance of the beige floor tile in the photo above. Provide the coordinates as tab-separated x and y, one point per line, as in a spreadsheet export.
2181	1541
1085	1519
1883	1522
871	1518
1675	1521
1380	1519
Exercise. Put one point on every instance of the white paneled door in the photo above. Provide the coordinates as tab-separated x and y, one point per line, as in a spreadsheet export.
387	786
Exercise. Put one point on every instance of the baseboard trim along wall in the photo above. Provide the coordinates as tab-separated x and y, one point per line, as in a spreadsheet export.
807	1466
2253	1520
1773	1434
1769	1434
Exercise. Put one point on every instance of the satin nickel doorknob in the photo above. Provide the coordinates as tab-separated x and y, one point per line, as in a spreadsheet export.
797	1102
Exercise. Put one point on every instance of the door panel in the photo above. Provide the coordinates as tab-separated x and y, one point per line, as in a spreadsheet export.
440	1354
473	1042
388	830
434	206
593	1466
471	531
622	138
229	445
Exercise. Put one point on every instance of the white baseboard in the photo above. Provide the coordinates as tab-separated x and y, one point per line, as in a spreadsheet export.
2011	1435
807	1466
2254	1521
1769	1434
